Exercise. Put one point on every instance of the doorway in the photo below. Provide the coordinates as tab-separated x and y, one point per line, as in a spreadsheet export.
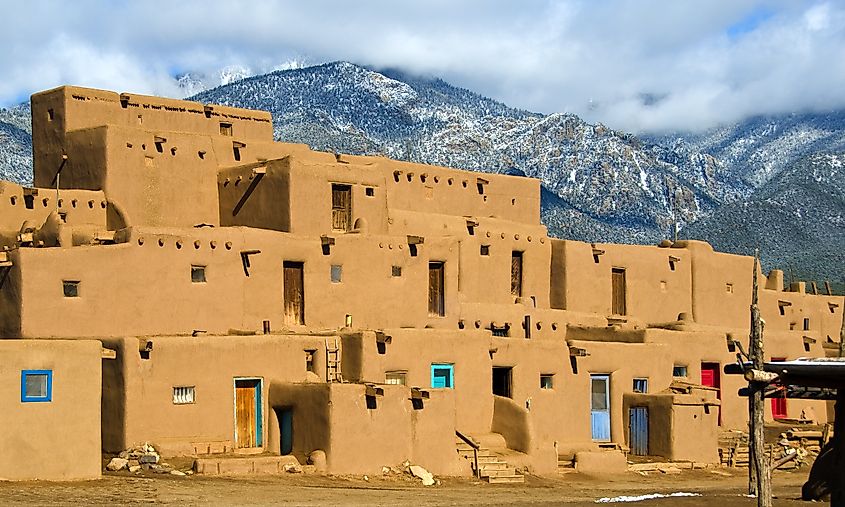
516	274
436	296
600	407
285	417
779	404
341	207
249	431
710	378
502	381
618	303
294	288
638	431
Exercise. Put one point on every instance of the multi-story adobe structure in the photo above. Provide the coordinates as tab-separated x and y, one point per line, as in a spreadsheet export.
250	296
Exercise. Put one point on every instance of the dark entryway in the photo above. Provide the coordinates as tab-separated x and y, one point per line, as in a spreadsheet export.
502	381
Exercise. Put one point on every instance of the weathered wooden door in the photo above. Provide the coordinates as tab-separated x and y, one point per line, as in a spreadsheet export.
600	407
248	422
516	274
294	287
638	431
436	286
341	207
710	378
618	303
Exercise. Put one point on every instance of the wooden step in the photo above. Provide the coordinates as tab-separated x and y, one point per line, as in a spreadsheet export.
510	479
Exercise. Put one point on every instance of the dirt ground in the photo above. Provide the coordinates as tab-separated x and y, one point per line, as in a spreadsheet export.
123	488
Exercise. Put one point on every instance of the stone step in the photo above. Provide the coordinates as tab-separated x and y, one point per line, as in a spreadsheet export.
505	472
487	459
510	479
485	454
496	465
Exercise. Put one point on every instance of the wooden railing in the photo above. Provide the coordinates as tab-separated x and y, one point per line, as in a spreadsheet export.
475	448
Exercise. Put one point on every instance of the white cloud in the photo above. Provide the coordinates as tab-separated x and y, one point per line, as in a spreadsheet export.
698	63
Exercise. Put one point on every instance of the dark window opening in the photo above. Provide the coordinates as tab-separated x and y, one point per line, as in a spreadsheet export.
225	129
309	361
641	384
413	250
596	258
70	288
198	274
480	187
341	207
671	265
436	289
547	381
501	331
679	371
396	271
396	176
502	377
471	230
50	115
236	152
516	274
485	249
63	216
370	191
159	147
29	201
806	324
337	273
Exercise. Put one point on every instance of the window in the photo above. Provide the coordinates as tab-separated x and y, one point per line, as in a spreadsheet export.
309	360
641	385
502	381
729	288
806	324
183	395
50	114
396	271
547	381
501	331
370	192
198	274
443	375
70	288
397	378
516	274
341	207
485	249
337	273
36	385
225	129
679	371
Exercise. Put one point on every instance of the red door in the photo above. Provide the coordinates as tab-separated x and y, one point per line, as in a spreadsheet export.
710	378
778	404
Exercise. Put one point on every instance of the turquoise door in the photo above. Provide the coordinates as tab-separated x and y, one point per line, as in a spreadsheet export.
600	407
443	375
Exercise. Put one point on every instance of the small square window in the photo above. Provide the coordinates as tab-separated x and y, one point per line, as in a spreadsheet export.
198	274
729	288
370	191
679	371
337	273
397	378
50	114
225	129
70	288
443	376
641	385
184	395
396	271
547	381
485	249
36	386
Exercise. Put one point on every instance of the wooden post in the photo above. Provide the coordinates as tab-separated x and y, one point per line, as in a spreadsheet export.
761	474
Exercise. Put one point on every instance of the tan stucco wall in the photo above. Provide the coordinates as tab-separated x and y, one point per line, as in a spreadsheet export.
59	439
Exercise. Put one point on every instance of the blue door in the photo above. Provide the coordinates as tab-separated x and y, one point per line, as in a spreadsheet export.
443	375
600	407
638	437
286	430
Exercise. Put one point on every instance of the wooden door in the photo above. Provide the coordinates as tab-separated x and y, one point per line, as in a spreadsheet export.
710	378
516	274
618	303
341	207
638	431
436	296
248	413
294	288
600	407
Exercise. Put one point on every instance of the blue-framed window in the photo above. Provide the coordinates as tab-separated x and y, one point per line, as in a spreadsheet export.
36	385
443	375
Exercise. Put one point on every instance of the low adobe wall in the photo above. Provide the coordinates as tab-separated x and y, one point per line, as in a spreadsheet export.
57	439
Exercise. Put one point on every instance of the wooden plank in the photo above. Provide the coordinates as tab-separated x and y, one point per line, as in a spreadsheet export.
436	300
618	303
341	207
245	414
294	293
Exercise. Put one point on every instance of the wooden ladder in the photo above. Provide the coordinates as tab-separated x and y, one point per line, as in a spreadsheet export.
333	373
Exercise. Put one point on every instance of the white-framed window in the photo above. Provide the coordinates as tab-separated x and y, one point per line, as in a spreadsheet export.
184	395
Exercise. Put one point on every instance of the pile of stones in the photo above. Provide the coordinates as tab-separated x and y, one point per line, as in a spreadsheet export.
143	458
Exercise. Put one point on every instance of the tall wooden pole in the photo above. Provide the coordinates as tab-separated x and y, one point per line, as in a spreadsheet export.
762	477
837	496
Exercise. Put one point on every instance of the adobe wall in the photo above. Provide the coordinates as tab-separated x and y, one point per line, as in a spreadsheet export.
138	393
57	440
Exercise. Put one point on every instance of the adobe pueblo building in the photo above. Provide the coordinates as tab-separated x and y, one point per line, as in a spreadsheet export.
177	277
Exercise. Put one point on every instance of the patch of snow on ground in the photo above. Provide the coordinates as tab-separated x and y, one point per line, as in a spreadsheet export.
640	498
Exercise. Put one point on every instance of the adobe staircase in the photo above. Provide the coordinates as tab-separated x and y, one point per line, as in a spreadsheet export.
491	467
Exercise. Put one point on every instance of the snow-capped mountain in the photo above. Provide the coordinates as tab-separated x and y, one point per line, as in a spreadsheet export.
612	185
16	144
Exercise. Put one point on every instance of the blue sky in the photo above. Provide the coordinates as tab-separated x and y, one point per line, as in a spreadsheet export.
638	65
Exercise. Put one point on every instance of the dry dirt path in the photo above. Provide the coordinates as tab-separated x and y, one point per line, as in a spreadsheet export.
570	489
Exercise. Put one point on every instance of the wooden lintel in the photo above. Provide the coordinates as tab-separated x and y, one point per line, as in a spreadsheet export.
327	240
416	240
108	353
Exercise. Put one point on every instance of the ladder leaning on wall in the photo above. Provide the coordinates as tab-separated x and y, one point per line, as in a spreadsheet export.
333	373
